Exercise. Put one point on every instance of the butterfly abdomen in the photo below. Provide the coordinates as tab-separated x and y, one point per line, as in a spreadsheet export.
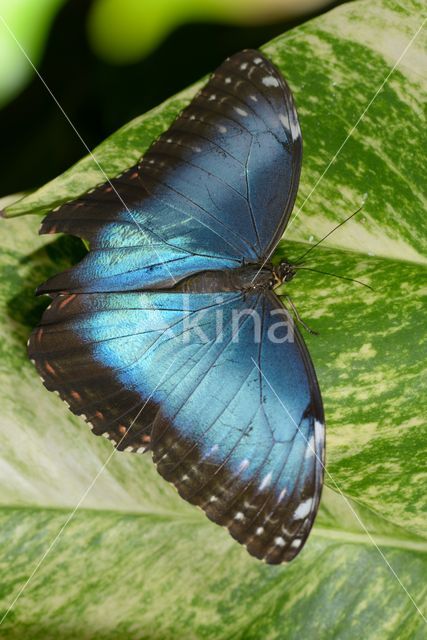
248	278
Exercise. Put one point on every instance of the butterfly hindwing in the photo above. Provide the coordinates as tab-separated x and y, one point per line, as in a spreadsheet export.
230	409
213	192
250	454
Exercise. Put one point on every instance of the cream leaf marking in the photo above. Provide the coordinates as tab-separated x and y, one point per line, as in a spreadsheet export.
358	121
82	498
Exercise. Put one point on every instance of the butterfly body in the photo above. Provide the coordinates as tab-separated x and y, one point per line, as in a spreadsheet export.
168	335
246	278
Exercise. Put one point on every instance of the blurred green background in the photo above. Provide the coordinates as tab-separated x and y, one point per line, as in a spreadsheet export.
107	61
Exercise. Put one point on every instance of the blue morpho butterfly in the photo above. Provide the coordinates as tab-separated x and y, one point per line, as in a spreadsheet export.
236	425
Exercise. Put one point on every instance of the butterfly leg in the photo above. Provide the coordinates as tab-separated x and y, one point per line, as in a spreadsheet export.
298	317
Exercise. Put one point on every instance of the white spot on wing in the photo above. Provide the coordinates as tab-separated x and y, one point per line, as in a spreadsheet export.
310	451
266	481
296	543
259	531
213	499
227	80
281	495
248	505
257	60
319	433
279	541
303	509
244	66
284	530
284	120
239	516
270	81
243	465
222	129
295	130
240	111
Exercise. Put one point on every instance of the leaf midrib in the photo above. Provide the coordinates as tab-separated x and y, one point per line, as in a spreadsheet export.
344	536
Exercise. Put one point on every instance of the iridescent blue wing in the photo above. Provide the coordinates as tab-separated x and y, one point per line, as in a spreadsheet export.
220	388
214	191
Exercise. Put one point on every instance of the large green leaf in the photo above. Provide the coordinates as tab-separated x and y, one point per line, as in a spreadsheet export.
137	562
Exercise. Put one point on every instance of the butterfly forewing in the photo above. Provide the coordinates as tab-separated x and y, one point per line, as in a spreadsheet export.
212	192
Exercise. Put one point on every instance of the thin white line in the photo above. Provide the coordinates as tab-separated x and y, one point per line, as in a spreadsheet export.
107	179
354	127
344	498
82	498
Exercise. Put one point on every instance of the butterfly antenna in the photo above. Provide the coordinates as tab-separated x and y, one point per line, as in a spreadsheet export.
335	275
330	232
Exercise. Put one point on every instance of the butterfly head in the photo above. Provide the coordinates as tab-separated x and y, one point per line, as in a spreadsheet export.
284	272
